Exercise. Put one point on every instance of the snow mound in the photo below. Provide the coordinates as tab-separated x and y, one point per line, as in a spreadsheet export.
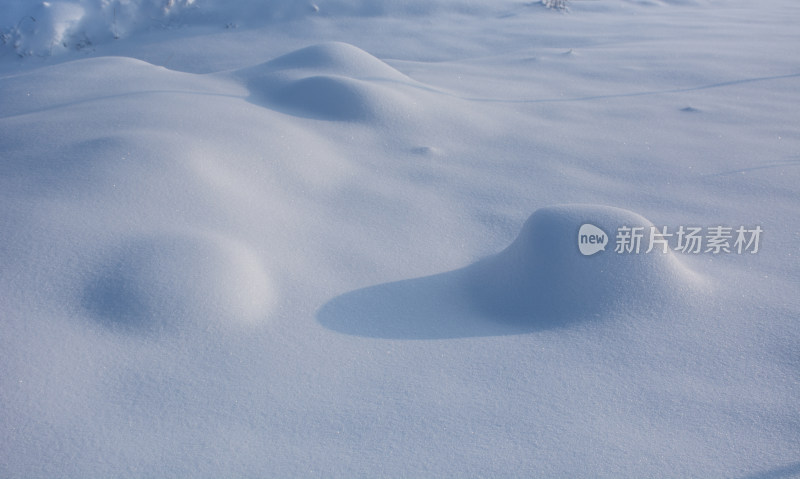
541	281
337	58
337	98
544	274
331	81
168	282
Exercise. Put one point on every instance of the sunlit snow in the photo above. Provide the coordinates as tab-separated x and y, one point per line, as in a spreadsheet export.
341	238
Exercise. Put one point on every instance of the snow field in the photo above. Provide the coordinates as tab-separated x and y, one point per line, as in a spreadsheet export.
306	246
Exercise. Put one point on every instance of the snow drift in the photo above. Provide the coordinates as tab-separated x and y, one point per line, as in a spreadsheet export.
331	81
199	267
541	281
174	283
543	274
49	28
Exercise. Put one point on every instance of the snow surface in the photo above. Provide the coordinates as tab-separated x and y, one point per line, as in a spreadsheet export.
339	239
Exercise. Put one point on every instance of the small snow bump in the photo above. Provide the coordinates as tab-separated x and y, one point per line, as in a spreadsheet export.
169	282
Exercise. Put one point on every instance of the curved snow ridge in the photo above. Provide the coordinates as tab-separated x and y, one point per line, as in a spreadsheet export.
332	81
94	79
336	58
544	273
179	281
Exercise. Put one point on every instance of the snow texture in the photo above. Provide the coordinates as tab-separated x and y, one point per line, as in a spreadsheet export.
341	239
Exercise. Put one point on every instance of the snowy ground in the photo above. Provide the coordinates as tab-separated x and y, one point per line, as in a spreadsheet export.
340	239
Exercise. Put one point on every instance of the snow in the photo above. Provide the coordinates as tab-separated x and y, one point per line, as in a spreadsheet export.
341	239
331	81
175	282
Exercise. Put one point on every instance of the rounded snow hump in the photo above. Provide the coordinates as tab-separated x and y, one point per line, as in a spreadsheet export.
543	280
564	264
172	282
331	81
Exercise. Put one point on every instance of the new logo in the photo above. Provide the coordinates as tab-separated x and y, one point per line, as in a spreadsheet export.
591	239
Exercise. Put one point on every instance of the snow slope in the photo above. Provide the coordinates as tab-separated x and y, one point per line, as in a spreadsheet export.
340	239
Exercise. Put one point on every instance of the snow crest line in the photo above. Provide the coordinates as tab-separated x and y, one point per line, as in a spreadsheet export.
116	95
643	93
